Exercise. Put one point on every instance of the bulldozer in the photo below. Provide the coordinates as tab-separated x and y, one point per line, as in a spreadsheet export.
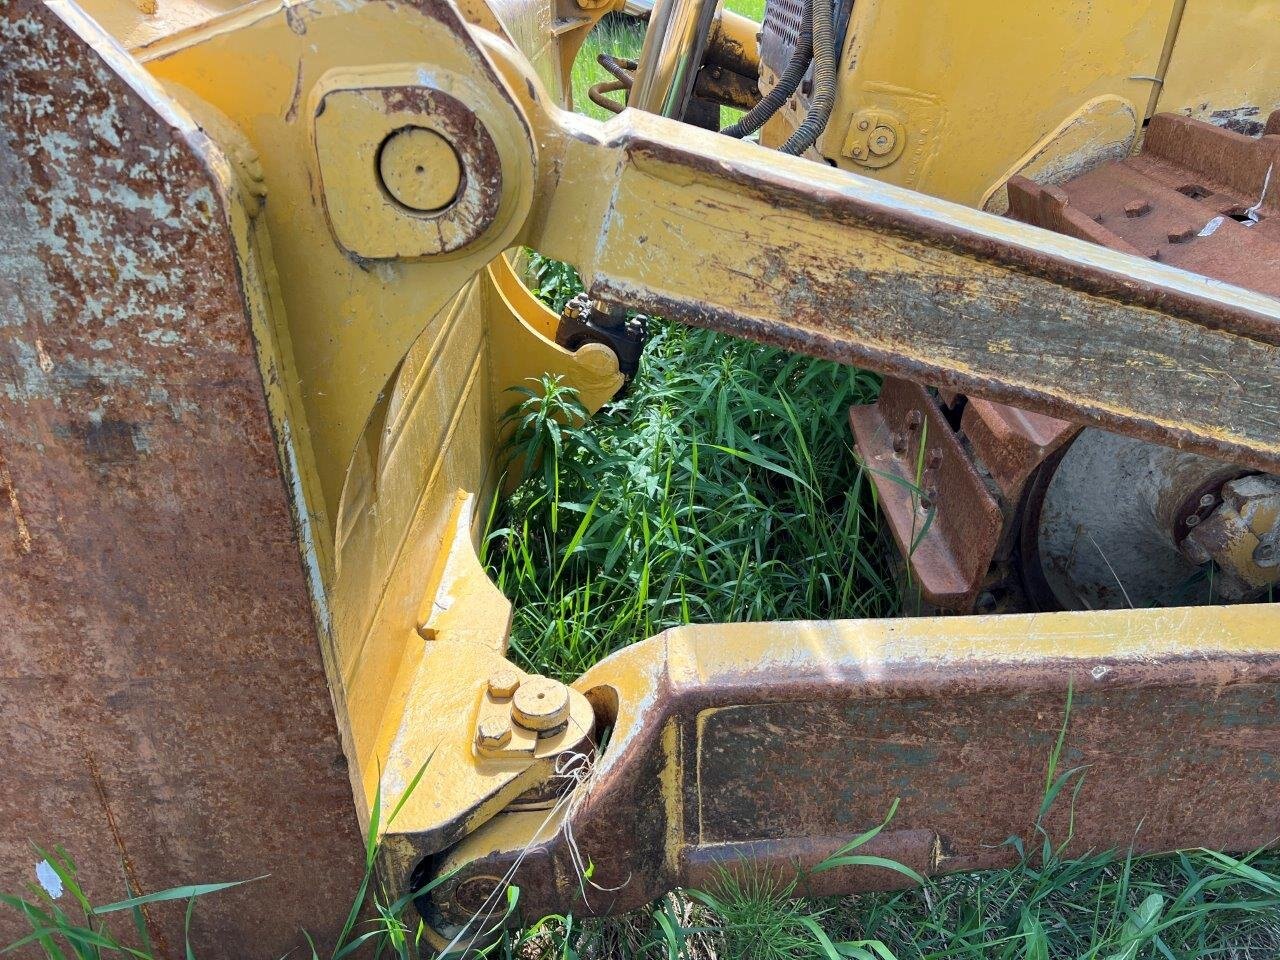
262	308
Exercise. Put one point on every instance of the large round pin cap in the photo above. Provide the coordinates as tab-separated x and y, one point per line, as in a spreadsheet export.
540	704
420	169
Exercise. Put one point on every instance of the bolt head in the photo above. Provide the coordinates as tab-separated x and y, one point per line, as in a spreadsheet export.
577	307
503	682
493	733
1266	553
1193	520
1195	551
1208	500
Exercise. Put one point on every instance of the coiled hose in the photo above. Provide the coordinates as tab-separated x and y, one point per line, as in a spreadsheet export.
824	81
772	102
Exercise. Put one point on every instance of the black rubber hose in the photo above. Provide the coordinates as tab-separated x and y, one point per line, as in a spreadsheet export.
772	102
824	81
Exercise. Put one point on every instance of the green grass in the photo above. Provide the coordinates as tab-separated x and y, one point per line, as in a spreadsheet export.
721	487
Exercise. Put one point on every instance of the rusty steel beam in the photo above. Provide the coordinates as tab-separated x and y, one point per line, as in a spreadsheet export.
1197	197
829	264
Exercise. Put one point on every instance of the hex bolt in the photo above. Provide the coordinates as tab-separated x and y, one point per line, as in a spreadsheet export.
915	419
1208	500
577	307
492	733
1193	520
503	682
540	704
864	124
1194	551
1136	208
935	458
899	442
1183	235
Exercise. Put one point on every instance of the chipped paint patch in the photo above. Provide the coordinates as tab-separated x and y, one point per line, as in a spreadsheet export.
306	534
23	532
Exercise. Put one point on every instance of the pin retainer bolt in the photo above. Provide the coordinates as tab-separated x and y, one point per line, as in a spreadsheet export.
503	683
493	733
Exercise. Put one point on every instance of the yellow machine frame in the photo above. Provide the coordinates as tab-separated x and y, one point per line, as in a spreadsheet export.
387	341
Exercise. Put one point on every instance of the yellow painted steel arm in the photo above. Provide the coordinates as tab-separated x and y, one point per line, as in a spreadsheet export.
773	745
835	265
817	259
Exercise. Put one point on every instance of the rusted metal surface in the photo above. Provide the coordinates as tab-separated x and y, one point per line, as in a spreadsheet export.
991	458
789	757
714	83
734	44
1184	200
167	715
624	75
1103	531
942	516
726	87
1191	178
1010	444
1205	199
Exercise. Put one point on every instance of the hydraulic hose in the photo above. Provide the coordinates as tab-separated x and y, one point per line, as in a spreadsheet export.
824	81
772	102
